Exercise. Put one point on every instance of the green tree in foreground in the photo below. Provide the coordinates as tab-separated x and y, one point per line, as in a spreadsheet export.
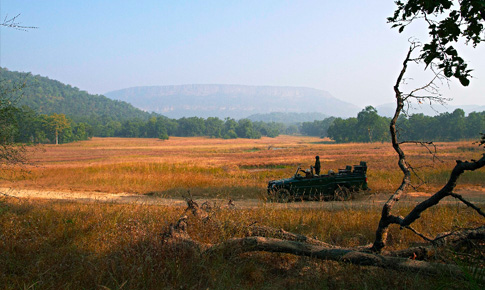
448	22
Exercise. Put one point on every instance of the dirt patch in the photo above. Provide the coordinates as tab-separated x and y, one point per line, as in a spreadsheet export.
476	195
92	196
419	194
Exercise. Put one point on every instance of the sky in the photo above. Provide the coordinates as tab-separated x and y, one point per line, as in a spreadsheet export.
344	47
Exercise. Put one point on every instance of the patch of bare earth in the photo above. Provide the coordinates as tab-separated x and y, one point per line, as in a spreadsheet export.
475	194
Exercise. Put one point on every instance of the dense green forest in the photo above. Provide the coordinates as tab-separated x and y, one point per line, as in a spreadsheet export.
162	127
46	96
31	127
370	127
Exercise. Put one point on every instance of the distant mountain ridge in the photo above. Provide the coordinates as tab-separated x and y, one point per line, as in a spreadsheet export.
47	96
235	101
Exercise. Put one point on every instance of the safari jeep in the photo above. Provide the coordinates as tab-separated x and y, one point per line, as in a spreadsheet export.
332	186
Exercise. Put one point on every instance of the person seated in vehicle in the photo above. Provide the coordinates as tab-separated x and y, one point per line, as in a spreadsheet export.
308	172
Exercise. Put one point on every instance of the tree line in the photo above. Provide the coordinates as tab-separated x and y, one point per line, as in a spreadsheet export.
32	127
28	126
163	127
368	126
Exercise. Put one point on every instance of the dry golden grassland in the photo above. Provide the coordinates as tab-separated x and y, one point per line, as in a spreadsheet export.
65	245
238	168
59	245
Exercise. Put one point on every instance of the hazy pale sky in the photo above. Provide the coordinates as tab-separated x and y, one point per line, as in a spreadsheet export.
343	47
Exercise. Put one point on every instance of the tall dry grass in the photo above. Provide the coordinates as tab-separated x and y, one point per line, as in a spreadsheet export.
56	245
227	168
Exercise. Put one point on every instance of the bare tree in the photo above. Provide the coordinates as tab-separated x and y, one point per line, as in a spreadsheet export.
387	218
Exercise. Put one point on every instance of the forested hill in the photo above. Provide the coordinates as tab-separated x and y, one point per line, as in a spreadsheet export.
47	96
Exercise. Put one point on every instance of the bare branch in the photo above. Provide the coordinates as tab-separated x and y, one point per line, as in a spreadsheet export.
413	170
425	145
458	237
469	204
419	234
447	190
263	231
12	23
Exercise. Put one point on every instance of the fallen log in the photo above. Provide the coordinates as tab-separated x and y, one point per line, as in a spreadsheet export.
252	244
267	239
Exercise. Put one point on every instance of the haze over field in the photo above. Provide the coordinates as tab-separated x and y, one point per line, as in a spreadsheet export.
343	47
233	101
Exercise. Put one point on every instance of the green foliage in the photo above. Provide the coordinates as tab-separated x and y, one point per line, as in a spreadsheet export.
8	125
162	127
344	130
317	127
271	129
245	129
193	126
163	136
46	96
24	125
370	127
54	128
444	127
447	21
10	153
367	127
214	127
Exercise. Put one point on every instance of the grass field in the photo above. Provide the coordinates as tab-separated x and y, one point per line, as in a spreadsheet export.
239	168
48	244
58	245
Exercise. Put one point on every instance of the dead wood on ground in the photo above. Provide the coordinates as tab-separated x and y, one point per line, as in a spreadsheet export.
267	239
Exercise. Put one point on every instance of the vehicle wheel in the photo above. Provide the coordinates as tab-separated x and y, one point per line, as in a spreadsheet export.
272	196
321	197
283	195
342	193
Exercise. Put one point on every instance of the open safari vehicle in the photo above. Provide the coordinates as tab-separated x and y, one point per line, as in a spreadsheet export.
332	186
